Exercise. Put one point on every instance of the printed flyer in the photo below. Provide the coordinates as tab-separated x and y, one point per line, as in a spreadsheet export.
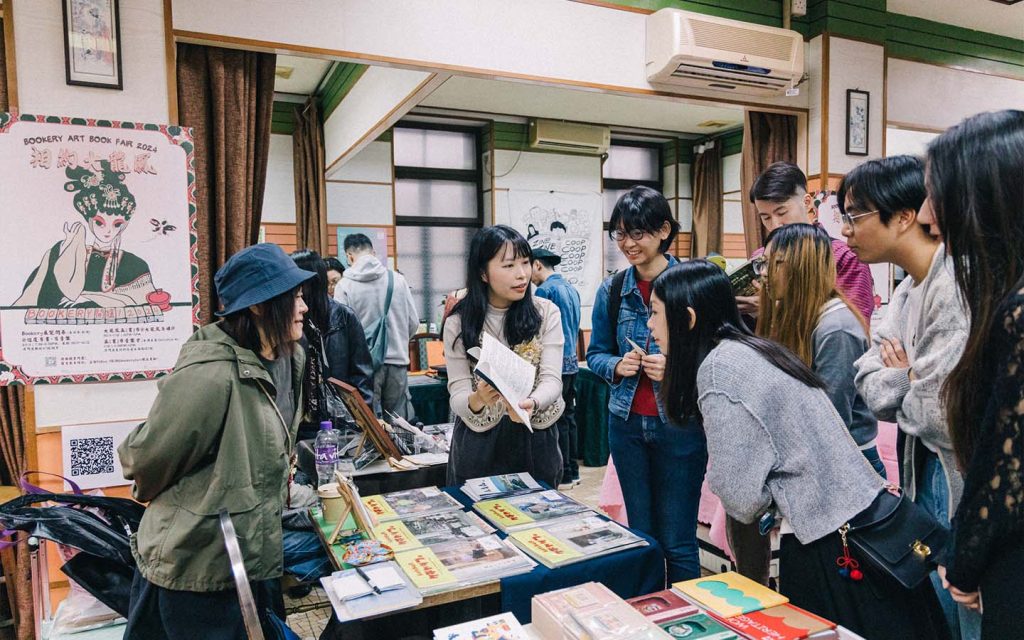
98	246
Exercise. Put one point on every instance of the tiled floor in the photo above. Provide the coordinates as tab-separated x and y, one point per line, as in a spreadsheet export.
308	616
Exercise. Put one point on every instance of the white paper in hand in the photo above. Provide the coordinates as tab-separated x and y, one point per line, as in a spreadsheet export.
511	375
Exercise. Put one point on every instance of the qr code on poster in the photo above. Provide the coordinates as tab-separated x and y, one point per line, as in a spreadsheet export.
90	456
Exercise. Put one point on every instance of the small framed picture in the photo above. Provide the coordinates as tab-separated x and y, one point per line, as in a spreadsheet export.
92	43
858	109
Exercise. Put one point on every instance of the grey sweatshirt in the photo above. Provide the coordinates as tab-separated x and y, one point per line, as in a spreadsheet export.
839	339
364	287
916	405
773	439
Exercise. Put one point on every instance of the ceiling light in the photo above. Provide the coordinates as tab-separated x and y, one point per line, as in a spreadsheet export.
714	124
284	72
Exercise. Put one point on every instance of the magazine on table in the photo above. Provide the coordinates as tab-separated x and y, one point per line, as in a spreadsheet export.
519	512
434	528
503	626
508	373
567	541
501	486
413	502
443	567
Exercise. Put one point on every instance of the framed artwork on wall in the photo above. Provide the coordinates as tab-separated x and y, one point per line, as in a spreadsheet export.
858	109
92	43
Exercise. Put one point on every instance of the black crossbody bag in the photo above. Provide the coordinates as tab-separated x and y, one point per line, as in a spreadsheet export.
897	536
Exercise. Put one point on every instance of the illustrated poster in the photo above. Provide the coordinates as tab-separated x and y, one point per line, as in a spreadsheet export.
98	247
567	224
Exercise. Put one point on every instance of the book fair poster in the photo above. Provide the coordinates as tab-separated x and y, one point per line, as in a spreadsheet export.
98	249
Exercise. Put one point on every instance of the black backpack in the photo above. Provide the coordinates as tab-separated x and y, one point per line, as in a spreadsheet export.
615	301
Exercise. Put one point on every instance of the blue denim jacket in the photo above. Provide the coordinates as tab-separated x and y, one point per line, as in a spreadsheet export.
558	290
606	342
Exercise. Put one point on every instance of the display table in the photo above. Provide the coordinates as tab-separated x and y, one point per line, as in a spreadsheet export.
430	399
628	573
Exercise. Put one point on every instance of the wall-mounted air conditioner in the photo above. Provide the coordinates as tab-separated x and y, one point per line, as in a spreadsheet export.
695	50
555	135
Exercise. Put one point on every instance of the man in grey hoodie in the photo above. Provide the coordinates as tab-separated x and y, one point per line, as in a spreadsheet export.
917	342
364	287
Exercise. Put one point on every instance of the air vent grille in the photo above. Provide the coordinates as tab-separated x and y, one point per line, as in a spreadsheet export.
726	37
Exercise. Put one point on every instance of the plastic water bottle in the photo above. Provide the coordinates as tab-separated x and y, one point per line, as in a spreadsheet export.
326	450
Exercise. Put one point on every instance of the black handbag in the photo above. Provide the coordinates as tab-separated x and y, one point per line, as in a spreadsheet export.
897	536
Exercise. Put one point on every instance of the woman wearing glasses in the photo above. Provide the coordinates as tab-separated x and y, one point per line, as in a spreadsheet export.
918	341
660	466
802	309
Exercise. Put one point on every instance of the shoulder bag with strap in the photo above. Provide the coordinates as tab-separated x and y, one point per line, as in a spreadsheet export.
615	302
377	333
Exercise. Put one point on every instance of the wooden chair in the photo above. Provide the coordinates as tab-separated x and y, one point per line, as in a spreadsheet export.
425	350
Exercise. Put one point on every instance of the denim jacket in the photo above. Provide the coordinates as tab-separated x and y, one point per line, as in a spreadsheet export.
605	346
558	290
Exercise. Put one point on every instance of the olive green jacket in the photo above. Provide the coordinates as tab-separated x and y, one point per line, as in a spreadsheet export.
214	439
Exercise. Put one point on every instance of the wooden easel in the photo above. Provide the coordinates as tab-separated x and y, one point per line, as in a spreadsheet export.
354	506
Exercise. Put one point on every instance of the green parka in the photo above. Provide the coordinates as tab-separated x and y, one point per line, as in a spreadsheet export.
214	439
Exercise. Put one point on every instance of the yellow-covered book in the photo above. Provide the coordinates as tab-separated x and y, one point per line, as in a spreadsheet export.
396	535
729	594
532	509
545	547
425	569
379	507
502	514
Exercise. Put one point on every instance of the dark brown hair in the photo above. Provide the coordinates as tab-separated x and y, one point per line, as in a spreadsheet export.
276	317
975	188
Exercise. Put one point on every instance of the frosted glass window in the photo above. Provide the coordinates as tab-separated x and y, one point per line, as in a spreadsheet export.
433	261
613	258
632	163
436	198
434	149
611	196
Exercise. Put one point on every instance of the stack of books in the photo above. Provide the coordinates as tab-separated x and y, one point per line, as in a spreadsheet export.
570	540
503	626
411	503
492	487
589	611
435	528
462	563
746	609
528	510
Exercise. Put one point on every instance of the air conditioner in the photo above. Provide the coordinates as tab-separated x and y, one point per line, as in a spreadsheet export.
555	135
695	50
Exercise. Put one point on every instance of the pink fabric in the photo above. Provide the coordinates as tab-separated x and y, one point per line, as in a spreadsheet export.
610	499
886	442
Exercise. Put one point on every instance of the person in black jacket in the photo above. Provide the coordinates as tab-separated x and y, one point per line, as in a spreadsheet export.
334	338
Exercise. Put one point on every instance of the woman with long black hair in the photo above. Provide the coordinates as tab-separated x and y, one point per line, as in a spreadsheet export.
334	341
975	180
776	444
488	439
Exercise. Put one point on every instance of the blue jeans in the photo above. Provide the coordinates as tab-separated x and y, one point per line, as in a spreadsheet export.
875	460
304	555
661	468
933	495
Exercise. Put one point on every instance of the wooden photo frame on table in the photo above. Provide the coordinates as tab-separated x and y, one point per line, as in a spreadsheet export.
858	117
366	420
92	43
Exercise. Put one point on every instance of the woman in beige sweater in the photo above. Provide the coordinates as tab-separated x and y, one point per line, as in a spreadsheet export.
489	438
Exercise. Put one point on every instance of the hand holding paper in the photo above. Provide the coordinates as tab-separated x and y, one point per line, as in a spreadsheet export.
510	375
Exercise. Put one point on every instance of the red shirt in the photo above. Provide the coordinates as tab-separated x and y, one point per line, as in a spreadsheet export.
644	402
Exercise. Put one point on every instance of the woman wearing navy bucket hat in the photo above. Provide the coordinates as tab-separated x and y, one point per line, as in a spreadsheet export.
219	436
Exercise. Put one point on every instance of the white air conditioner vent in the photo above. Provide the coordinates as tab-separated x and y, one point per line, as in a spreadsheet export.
556	135
695	50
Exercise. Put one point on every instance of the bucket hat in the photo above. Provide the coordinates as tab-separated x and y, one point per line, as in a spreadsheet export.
254	275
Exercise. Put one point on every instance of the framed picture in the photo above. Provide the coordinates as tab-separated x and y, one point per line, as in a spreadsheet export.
366	420
858	109
92	43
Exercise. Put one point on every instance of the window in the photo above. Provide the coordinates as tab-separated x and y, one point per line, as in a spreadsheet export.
628	164
438	208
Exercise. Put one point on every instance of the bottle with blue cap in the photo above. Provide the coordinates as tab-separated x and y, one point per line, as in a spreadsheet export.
326	450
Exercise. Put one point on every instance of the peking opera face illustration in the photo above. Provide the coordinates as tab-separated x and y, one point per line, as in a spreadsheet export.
87	277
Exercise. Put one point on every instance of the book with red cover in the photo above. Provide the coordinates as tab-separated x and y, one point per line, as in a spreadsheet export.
663	605
784	622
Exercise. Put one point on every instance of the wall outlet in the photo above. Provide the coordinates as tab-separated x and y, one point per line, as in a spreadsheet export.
798	8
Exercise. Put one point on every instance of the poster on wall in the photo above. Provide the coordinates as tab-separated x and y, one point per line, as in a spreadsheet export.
829	217
98	249
90	453
567	224
377	235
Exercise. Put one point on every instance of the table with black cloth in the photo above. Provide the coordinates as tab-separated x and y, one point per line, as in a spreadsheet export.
628	573
430	399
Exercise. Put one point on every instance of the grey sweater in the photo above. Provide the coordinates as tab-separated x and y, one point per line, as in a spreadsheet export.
916	405
839	339
772	439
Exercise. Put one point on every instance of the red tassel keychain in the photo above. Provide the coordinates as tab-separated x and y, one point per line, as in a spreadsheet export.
848	567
